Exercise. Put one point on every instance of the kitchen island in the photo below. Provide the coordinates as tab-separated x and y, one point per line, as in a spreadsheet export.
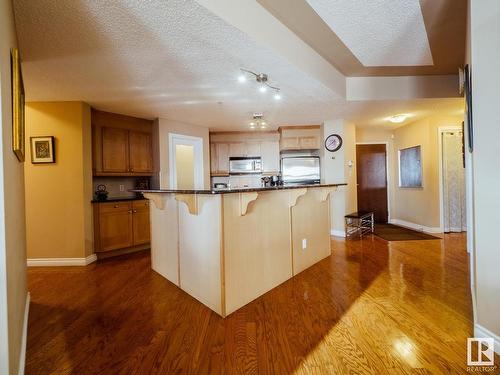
227	247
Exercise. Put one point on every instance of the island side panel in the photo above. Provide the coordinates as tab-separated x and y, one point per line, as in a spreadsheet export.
257	252
200	251
310	222
164	238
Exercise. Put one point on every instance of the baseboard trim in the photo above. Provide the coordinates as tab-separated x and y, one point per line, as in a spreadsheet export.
24	339
51	262
337	233
480	331
417	227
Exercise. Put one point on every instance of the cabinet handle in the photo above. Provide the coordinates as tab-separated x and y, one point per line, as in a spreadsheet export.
116	206
129	211
134	211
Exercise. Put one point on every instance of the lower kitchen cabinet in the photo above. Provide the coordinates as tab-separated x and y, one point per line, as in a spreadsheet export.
122	225
140	222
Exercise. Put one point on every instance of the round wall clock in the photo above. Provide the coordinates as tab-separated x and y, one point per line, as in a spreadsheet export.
333	142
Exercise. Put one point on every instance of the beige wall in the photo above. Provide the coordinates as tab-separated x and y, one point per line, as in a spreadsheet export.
485	57
161	130
419	206
335	169
58	208
13	289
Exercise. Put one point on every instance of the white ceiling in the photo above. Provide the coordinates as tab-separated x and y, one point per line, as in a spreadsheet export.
173	60
379	32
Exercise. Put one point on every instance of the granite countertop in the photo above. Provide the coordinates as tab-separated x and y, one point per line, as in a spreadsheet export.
237	190
118	199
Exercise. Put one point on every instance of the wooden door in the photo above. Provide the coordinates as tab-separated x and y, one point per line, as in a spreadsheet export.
141	224
270	156
115	150
371	162
141	154
222	158
115	226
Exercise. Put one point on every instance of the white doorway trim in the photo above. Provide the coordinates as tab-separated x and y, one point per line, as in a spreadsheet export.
441	130
197	143
387	172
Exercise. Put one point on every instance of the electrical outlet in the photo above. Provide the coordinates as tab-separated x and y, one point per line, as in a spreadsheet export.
304	243
122	187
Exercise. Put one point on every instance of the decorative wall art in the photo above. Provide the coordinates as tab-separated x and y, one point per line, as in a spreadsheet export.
18	127
42	150
410	167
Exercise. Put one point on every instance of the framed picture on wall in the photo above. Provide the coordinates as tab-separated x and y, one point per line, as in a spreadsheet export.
410	167
42	150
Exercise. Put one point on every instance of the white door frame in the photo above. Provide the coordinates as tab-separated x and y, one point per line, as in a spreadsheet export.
387	172
197	143
441	130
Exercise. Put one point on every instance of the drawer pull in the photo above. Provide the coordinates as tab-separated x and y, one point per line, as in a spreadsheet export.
116	206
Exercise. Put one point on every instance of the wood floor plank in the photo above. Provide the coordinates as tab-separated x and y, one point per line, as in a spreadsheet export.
372	307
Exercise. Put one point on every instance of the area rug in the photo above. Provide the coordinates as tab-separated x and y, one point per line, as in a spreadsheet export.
391	232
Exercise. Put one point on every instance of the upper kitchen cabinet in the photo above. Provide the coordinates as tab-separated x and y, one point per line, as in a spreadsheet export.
141	153
304	137
219	159
114	150
270	152
122	145
225	145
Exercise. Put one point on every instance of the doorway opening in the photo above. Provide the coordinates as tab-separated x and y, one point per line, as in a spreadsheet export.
452	180
371	173
185	161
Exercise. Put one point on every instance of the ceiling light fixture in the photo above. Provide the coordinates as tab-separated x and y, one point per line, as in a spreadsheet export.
397	119
258	121
262	79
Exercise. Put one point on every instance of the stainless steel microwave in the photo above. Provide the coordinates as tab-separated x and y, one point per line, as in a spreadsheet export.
242	165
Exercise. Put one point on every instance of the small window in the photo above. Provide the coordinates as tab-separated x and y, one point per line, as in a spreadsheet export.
410	167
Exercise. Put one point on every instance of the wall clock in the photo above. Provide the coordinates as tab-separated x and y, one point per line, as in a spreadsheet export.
333	142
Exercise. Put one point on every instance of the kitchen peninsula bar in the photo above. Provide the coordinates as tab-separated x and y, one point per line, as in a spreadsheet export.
227	247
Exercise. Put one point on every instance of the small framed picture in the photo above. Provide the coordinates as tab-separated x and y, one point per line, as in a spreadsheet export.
42	150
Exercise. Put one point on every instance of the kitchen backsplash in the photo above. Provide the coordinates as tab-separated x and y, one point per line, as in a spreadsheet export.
118	186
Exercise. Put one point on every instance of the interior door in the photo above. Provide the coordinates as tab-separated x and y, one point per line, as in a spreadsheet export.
371	169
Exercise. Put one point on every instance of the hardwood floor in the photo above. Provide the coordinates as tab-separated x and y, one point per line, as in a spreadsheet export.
373	307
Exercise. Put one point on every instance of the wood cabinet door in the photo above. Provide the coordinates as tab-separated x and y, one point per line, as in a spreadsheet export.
270	156
309	142
290	143
115	150
141	225
214	168
237	149
222	158
253	149
141	153
115	226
